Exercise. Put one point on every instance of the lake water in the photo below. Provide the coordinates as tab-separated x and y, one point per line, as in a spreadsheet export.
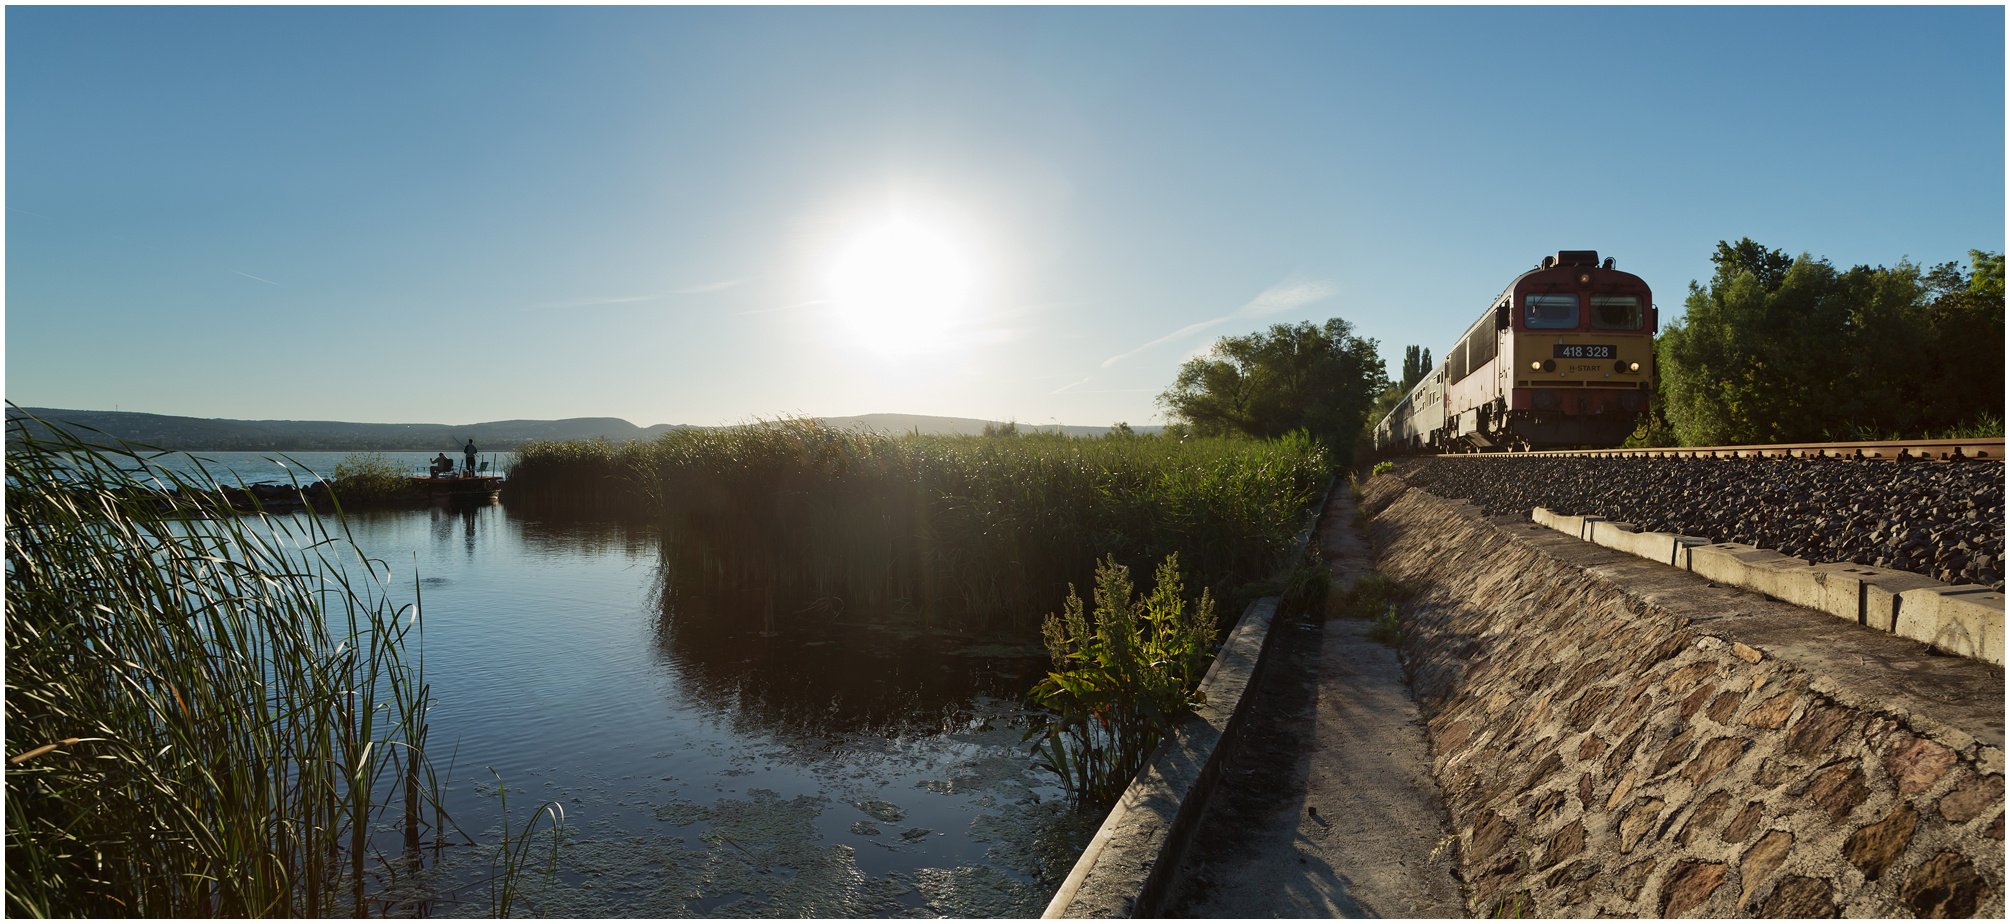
711	761
303	467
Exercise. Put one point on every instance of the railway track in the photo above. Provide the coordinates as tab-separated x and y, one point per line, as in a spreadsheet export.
1942	521
1986	449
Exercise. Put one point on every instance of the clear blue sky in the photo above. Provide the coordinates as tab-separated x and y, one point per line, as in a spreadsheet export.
703	215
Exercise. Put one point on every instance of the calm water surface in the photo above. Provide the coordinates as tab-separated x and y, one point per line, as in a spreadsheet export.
303	467
709	760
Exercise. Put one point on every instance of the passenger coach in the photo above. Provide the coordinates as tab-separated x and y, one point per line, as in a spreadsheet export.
1563	357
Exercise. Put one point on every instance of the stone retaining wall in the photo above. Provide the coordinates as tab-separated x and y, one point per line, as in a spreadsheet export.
1619	737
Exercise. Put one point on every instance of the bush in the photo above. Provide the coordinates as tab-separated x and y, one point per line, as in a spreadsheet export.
1121	681
1321	380
363	478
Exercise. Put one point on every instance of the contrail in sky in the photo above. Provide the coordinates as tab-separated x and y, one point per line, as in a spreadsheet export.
259	278
590	302
707	287
1284	296
1068	386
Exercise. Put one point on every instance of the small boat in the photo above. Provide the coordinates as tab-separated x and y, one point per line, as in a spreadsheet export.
459	485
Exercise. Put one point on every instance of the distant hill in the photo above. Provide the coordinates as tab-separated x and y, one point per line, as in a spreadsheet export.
185	433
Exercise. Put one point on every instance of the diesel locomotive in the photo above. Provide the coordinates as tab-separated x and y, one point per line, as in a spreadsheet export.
1562	358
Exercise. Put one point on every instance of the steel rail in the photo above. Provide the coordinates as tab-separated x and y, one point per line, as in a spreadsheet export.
1985	449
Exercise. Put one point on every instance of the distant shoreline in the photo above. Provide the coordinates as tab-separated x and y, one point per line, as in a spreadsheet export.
203	434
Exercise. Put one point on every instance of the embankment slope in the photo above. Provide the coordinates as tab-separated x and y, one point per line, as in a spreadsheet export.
1617	737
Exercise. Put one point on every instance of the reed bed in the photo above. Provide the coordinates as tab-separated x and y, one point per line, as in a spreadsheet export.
235	706
976	532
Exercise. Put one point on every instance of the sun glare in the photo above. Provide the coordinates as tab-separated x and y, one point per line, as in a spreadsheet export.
901	287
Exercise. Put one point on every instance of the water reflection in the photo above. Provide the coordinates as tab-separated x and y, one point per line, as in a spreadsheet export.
717	747
785	661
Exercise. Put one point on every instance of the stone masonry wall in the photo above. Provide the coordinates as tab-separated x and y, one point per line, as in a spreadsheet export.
1692	751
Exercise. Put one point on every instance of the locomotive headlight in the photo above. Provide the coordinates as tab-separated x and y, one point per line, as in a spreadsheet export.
1584	279
1535	365
1633	367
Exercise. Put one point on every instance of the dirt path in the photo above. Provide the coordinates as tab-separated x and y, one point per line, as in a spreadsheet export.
1327	807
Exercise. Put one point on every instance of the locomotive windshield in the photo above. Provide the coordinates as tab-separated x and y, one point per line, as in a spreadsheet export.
1615	312
1552	311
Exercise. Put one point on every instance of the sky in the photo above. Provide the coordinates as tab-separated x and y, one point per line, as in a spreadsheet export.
708	215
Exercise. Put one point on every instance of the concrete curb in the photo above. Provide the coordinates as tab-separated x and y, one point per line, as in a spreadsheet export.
1127	868
1963	619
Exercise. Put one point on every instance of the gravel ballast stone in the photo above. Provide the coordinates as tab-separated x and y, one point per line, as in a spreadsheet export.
1943	520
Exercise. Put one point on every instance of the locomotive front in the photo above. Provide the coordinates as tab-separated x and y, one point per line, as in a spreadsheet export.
1582	352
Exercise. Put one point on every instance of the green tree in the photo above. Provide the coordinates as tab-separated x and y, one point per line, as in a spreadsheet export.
1780	350
1416	365
1962	381
1769	267
1318	378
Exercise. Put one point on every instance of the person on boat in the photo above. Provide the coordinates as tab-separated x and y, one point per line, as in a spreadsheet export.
470	450
442	465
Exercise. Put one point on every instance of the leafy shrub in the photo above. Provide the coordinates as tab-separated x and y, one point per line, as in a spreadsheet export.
369	478
1383	468
1121	682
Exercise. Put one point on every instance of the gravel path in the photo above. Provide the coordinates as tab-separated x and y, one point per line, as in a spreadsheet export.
1940	519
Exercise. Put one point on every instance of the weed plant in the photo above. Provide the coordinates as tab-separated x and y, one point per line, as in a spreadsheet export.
233	703
1373	596
1303	589
364	478
1123	677
1984	426
1387	629
973	530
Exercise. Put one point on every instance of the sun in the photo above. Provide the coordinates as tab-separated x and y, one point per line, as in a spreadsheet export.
901	286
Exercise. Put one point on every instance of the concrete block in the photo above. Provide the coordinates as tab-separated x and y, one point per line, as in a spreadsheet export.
1830	588
1607	532
1741	565
1966	619
1665	548
1575	527
1839	589
1881	596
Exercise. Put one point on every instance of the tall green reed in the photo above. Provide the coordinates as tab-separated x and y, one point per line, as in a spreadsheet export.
976	531
238	702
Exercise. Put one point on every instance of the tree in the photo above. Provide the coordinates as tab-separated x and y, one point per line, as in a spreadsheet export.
1416	365
1963	382
1777	350
1318	378
1769	267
